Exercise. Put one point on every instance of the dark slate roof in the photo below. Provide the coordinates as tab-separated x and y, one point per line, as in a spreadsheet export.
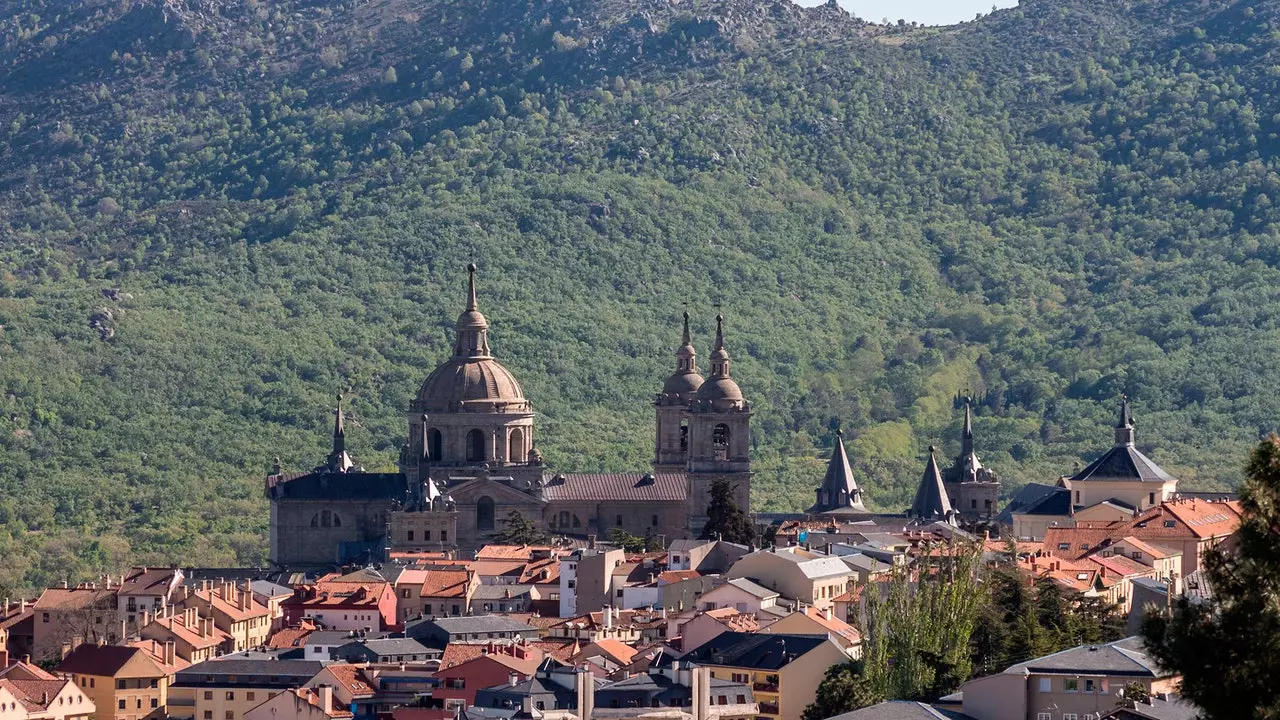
325	485
340	637
642	487
390	646
657	682
270	589
1123	462
289	671
480	624
1195	586
839	479
753	650
1175	708
901	710
1030	494
1122	657
931	497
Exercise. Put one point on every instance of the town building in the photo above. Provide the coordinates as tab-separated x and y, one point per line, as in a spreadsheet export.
68	616
798	574
470	460
125	683
1080	681
227	689
299	704
360	600
234	610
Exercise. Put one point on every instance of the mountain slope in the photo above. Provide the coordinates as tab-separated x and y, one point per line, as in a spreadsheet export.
1052	205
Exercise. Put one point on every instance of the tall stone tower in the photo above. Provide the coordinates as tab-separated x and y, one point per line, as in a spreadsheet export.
671	452
470	412
719	436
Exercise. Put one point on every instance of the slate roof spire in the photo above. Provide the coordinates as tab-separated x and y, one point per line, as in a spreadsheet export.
839	491
339	461
966	435
686	356
1124	428
931	501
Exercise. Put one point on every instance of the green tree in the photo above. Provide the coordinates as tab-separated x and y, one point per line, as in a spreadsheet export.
1227	649
725	520
627	541
842	690
519	530
389	76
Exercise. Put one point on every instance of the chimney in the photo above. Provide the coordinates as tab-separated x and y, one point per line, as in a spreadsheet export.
326	698
585	686
513	678
700	682
827	613
169	650
208	627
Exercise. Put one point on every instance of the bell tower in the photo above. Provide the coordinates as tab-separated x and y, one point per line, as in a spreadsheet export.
671	448
719	437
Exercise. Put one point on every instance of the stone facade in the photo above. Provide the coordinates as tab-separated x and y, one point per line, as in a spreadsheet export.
470	459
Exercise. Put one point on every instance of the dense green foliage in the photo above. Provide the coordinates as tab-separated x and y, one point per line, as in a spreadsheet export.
1227	649
1019	621
1048	206
725	520
843	689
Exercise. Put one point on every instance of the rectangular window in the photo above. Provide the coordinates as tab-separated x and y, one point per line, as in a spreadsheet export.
121	704
410	536
1088	686
1044	716
231	694
1064	546
444	536
229	715
155	703
426	535
155	683
250	696
655	521
456	610
1071	685
44	617
404	593
1070	716
426	608
973	504
1151	498
1046	685
208	694
208	715
619	523
119	684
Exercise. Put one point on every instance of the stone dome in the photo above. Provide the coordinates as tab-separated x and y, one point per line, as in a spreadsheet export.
684	384
720	388
481	383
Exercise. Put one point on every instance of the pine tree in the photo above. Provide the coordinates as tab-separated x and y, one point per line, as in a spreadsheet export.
518	530
725	519
1227	649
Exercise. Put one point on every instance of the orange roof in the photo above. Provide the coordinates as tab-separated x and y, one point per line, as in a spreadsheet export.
544	571
616	650
833	624
494	568
351	678
1119	565
1154	551
533	619
76	599
191	636
501	654
155	649
330	590
667	577
311	697
511	552
34	694
1205	519
289	637
218	600
734	619
561	650
457	653
445	583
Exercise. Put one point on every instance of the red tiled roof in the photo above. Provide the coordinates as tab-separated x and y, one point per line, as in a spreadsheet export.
155	649
311	697
1205	519
666	577
456	654
617	487
561	650
511	552
615	650
148	581
352	678
1121	565
289	637
533	619
444	583
735	620
76	599
495	568
100	660
834	624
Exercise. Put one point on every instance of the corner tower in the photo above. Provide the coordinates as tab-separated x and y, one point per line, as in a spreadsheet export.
470	411
719	436
671	447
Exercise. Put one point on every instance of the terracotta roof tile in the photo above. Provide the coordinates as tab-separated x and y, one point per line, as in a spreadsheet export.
76	599
155	649
311	697
352	679
616	650
666	577
511	552
289	637
148	581
561	650
445	583
834	624
456	654
617	486
101	660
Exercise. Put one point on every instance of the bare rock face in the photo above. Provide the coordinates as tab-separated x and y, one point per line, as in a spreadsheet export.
103	321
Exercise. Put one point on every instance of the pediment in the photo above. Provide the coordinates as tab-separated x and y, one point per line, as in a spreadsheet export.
472	490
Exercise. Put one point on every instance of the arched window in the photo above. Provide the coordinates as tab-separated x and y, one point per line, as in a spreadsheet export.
337	520
315	520
564	518
684	435
720	441
515	452
435	445
475	446
484	513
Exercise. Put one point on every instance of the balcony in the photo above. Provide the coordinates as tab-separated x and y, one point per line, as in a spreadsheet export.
765	687
768	708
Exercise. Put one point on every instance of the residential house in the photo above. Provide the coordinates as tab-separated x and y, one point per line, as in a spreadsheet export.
679	688
17	623
459	683
355	601
783	670
353	687
629	626
704	556
480	629
386	650
272	596
503	598
810	577
1158	707
299	704
195	638
148	590
446	593
586	580
1036	508
812	621
124	682
1080	681
41	696
234	610
66	617
552	693
747	596
227	689
320	645
707	624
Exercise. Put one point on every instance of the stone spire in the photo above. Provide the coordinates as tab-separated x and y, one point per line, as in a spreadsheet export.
338	459
686	356
1124	428
473	328
966	435
719	356
931	501
839	491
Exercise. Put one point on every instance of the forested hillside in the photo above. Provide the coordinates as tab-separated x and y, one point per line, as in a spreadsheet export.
214	214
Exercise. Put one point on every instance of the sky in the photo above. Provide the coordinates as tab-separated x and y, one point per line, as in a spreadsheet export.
929	12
